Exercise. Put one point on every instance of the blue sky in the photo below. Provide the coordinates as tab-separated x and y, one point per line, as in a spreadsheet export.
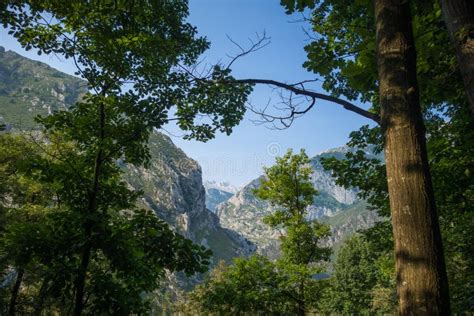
239	158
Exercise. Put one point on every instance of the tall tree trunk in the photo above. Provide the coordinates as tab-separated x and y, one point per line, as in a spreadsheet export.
15	291
422	285
459	19
301	303
41	297
80	281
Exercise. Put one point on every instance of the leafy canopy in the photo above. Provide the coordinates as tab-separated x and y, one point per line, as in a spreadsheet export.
133	56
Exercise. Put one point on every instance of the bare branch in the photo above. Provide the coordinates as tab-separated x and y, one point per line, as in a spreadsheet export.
291	104
314	95
261	42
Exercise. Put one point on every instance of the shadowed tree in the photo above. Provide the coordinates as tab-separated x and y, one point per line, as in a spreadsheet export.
133	55
367	51
459	19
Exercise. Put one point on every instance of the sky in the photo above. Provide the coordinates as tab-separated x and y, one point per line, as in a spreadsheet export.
239	158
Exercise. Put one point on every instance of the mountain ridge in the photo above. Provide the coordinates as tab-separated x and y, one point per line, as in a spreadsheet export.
339	207
172	185
218	192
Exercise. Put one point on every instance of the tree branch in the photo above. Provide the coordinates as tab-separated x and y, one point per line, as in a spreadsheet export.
297	89
261	42
314	95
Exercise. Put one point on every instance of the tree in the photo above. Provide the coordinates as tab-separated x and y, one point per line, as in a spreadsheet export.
287	186
369	54
289	285
248	286
354	277
459	19
418	245
40	238
133	56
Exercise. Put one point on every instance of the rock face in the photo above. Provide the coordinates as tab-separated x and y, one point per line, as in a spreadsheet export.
244	213
173	188
334	205
172	184
29	88
215	197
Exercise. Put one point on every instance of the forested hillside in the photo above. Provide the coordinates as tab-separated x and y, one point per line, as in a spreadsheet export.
29	88
172	183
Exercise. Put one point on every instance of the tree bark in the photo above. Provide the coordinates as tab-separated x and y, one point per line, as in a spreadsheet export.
15	291
422	285
301	303
41	297
459	19
80	281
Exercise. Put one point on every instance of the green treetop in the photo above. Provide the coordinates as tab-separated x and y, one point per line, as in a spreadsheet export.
289	285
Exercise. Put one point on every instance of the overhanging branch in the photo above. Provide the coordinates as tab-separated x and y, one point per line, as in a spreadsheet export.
297	89
314	95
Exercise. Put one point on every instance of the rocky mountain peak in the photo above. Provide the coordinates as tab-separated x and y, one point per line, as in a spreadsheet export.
338	206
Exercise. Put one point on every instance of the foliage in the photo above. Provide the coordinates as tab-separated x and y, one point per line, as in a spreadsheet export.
342	52
248	286
42	236
289	285
288	187
355	282
133	55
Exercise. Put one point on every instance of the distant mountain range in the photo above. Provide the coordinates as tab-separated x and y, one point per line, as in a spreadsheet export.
225	218
218	192
335	205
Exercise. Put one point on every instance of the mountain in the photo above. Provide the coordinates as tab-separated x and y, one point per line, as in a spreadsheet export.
221	186
29	88
218	192
173	188
172	184
215	196
335	205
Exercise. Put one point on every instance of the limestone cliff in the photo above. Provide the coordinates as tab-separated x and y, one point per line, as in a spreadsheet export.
334	205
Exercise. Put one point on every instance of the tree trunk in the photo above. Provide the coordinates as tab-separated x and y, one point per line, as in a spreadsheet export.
459	19
301	310
41	297
422	285
301	303
15	291
80	281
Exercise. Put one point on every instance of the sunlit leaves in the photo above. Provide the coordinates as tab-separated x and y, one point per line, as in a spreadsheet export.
288	284
134	57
